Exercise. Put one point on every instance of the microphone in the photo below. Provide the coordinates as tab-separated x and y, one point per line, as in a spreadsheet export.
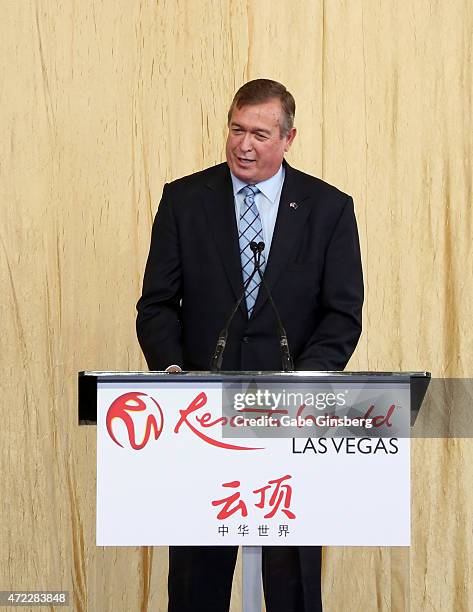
286	359
216	364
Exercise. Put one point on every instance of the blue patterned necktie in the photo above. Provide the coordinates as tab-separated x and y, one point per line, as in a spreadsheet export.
250	230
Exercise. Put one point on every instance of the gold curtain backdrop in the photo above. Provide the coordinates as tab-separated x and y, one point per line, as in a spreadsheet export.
103	101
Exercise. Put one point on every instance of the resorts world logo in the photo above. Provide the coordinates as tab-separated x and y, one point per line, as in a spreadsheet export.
138	415
134	415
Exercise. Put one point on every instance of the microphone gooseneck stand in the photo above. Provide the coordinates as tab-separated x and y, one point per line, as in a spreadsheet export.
287	363
217	358
286	359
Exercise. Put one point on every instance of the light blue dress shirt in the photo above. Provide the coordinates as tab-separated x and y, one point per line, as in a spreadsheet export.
267	203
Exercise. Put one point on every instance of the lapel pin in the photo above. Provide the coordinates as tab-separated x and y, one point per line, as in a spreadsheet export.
293	205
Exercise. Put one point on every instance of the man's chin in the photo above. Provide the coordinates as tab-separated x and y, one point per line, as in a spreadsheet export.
244	172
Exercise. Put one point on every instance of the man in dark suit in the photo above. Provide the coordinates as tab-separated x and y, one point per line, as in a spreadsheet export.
199	259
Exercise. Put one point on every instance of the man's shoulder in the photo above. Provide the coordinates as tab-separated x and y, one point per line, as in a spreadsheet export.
203	177
190	188
316	186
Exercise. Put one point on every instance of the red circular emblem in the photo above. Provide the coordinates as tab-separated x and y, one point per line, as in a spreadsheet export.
142	416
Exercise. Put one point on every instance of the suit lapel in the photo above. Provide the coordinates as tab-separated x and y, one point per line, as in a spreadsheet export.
219	204
290	224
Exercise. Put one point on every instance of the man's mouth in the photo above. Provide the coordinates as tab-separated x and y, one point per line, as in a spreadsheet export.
245	161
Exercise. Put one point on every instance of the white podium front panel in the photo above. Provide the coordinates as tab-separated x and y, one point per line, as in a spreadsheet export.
166	476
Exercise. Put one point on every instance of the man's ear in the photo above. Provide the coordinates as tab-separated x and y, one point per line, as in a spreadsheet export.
289	138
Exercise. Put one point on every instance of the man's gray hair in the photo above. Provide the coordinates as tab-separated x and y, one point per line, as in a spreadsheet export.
263	90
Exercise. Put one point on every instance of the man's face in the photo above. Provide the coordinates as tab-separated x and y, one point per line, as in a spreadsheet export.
255	148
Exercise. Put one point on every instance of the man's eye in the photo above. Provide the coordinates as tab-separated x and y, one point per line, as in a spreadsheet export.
236	130
261	136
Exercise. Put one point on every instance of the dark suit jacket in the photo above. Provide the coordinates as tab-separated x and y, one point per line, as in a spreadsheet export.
193	278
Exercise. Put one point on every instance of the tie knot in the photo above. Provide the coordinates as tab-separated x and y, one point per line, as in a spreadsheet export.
250	190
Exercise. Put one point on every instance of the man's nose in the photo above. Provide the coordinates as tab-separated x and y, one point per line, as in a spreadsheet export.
246	142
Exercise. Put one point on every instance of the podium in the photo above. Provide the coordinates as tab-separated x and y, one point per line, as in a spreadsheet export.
252	459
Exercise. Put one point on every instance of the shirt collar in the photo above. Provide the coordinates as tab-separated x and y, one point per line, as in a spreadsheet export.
269	188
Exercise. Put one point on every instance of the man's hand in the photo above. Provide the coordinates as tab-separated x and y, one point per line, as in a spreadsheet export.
173	368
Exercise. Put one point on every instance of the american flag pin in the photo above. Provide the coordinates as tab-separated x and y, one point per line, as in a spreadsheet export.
293	205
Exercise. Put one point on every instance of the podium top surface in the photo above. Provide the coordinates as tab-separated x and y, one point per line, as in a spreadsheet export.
89	381
220	376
